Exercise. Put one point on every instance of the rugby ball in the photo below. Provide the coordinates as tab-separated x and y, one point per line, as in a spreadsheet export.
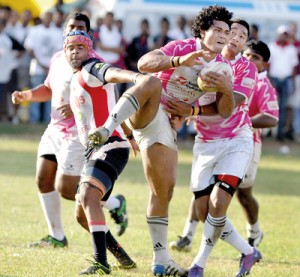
216	66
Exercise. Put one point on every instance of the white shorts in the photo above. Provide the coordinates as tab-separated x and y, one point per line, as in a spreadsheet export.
252	169
226	156
69	153
158	130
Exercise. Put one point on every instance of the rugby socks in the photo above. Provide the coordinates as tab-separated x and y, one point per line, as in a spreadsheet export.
125	107
213	227
190	229
51	207
253	230
158	227
97	230
231	236
112	203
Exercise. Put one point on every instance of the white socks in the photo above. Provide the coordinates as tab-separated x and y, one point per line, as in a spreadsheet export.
190	229
51	206
253	230
231	236
213	227
158	227
112	203
125	107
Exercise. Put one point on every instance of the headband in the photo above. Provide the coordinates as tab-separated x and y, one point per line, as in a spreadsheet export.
80	37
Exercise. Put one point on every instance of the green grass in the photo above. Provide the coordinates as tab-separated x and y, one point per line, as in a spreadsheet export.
277	190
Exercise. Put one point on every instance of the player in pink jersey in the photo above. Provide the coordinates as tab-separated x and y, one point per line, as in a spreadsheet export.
177	66
263	111
222	152
60	154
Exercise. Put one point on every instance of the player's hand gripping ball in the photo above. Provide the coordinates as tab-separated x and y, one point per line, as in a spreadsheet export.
219	67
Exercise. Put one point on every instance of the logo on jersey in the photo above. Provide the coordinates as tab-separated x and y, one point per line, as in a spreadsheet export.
181	80
98	65
248	83
273	105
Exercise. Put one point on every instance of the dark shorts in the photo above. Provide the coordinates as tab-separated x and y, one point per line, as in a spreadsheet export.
103	172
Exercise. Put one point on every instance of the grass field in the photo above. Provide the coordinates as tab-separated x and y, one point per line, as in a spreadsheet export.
277	189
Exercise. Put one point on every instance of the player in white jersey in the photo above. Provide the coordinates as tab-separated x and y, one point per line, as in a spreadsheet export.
222	152
61	155
263	111
92	99
177	66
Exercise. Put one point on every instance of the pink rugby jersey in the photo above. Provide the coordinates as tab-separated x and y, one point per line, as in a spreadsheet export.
263	101
239	123
91	102
180	83
58	80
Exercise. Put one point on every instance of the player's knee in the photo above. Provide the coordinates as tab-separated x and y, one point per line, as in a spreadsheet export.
44	184
67	192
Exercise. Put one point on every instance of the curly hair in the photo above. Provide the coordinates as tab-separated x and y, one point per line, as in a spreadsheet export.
206	17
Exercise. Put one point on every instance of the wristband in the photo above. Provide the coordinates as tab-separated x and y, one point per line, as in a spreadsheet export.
130	137
200	110
172	62
178	61
193	110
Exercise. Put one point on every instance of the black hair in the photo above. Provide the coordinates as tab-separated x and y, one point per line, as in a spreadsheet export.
255	27
79	17
260	48
243	23
206	17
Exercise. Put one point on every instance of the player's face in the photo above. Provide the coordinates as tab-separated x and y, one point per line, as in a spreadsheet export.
74	25
216	37
238	38
76	54
252	56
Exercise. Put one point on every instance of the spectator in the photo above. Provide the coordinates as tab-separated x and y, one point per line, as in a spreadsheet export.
254	32
282	63
111	45
162	38
139	46
7	47
179	32
42	44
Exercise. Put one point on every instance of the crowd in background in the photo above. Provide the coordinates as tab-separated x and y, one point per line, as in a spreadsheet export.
27	45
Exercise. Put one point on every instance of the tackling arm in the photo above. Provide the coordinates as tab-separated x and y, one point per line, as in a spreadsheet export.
40	93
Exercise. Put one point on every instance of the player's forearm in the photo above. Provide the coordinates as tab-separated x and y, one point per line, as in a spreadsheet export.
40	93
226	105
263	121
155	61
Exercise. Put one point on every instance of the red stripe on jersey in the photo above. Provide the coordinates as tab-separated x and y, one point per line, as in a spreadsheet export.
99	99
230	180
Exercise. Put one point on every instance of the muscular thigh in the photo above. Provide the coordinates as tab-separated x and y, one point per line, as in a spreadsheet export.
160	164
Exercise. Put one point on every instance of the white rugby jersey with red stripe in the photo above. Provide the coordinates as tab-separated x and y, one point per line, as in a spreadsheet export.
263	101
58	80
91	102
180	83
239	123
